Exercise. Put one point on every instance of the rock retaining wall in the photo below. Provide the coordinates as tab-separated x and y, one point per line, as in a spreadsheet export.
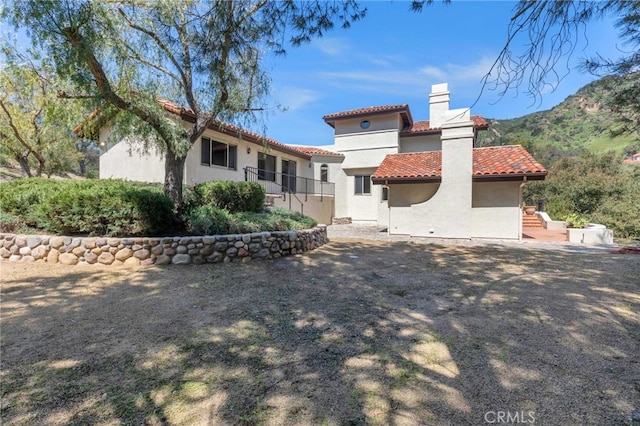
160	251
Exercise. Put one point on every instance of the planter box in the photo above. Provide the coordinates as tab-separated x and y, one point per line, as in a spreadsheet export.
590	235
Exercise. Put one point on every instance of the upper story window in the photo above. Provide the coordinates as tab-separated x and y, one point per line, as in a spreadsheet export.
364	124
362	184
324	173
214	153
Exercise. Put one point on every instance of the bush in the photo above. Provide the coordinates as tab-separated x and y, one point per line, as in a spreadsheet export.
231	196
96	207
9	223
575	220
209	220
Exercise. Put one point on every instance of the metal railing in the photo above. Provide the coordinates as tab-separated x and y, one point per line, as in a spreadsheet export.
282	183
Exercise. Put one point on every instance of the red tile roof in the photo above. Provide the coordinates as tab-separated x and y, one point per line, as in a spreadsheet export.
235	131
403	109
411	128
490	162
366	111
218	126
422	127
314	150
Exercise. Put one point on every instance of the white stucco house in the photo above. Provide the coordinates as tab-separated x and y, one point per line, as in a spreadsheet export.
426	178
226	152
419	178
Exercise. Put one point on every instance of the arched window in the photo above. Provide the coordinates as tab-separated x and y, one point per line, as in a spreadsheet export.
324	173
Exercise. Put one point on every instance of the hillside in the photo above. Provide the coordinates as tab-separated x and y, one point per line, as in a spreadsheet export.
584	121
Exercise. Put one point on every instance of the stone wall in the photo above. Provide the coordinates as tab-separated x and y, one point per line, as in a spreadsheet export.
159	251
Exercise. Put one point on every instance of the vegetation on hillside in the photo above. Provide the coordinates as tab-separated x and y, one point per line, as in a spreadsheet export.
585	122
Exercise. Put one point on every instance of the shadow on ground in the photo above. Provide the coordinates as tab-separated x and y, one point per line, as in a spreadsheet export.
353	333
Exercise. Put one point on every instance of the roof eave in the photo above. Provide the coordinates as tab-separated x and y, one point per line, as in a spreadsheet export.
403	110
418	179
510	177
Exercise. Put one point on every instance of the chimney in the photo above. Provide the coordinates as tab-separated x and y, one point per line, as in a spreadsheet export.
438	104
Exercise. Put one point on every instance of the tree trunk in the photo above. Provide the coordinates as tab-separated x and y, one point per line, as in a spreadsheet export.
24	164
173	177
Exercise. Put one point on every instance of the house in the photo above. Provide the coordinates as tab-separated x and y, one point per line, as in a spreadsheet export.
226	152
419	178
427	178
634	159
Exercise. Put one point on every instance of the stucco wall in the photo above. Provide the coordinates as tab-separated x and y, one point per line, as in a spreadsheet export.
447	214
124	161
360	208
420	143
377	123
404	195
496	210
319	208
363	152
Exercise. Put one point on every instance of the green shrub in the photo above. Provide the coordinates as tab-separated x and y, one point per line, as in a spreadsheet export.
231	196
208	220
9	223
621	216
575	220
97	207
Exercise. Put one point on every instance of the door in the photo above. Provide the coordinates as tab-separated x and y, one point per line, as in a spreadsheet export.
288	175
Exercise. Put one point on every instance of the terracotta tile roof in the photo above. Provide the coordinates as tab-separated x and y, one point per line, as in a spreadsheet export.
489	162
411	128
422	127
235	131
218	126
403	109
366	111
314	150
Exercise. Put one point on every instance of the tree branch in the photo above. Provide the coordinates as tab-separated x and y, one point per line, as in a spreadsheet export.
157	40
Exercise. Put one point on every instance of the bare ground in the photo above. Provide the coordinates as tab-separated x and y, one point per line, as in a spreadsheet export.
353	333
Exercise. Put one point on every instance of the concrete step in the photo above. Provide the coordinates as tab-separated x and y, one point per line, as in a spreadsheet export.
531	221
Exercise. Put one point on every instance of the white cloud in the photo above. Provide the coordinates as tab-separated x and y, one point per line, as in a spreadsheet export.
332	46
296	98
434	72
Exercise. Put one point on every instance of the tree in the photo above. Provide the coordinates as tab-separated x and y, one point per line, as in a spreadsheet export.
205	54
35	128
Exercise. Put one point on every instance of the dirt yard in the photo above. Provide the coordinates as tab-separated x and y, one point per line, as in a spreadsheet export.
380	333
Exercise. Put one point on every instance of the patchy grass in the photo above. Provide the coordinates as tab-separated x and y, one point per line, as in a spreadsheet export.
401	334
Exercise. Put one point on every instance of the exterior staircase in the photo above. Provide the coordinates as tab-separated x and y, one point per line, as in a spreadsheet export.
531	221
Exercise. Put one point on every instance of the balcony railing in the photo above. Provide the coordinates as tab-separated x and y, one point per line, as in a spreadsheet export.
282	183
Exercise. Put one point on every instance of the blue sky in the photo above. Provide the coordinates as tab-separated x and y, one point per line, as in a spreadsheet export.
393	56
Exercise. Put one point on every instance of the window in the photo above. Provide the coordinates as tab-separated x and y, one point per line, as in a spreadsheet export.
266	167
324	173
215	153
364	124
362	184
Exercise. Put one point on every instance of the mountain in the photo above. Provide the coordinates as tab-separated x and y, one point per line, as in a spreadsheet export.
583	121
